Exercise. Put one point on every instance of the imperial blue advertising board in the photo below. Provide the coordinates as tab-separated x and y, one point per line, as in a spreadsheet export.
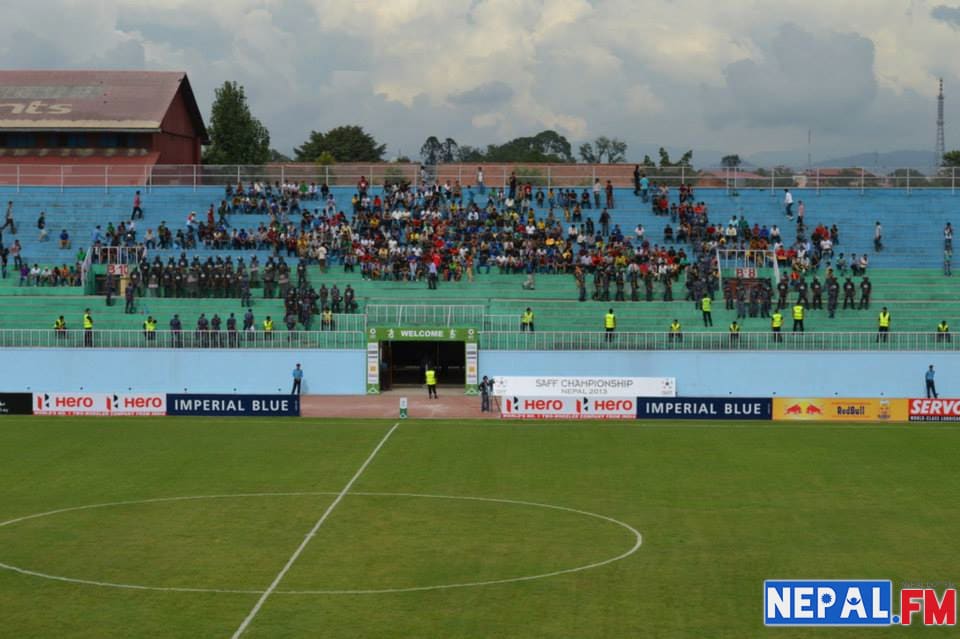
711	408
234	405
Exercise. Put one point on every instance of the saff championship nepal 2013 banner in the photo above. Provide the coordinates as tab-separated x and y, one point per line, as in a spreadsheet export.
100	404
234	405
568	408
531	386
709	408
839	409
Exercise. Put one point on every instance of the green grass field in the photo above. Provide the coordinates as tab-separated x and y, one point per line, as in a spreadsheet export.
720	507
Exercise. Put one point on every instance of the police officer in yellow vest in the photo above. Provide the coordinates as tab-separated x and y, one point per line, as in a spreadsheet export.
150	329
705	305
676	332
776	323
609	324
431	382
326	320
268	328
943	332
60	327
526	320
734	333
883	325
798	318
87	328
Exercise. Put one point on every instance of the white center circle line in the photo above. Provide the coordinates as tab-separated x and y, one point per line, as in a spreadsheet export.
638	540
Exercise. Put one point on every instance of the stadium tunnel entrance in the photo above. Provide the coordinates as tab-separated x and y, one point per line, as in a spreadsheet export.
398	357
405	363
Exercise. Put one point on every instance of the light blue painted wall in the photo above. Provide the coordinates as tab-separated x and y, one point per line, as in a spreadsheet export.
342	372
178	371
748	374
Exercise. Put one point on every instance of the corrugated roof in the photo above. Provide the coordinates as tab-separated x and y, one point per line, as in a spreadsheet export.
92	100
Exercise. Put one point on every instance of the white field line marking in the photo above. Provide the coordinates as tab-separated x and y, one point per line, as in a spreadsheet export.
106	584
313	531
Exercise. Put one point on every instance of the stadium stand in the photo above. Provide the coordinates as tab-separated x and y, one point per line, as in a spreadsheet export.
906	274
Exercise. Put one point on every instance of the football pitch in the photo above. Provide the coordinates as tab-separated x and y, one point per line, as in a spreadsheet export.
208	527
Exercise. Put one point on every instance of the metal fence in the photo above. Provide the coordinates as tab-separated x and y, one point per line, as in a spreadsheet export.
39	338
753	341
497	175
449	315
490	340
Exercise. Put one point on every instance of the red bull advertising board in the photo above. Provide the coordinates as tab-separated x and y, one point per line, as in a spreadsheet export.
839	409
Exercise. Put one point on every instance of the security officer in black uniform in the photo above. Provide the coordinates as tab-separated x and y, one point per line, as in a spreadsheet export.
865	288
215	323
833	293
817	289
849	290
176	332
783	288
232	331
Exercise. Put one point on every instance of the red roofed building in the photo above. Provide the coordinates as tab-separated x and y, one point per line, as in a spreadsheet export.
88	118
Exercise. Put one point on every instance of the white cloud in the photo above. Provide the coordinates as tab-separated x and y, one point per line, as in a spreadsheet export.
684	73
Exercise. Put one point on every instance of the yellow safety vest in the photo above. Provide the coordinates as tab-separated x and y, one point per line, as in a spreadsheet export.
328	316
734	328
87	321
675	327
798	312
431	377
149	326
268	325
884	320
705	304
776	320
942	327
610	320
58	324
527	318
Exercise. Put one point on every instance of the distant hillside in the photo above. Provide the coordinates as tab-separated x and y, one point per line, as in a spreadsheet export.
891	159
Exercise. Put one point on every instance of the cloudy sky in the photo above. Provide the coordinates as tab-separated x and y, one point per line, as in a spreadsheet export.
750	77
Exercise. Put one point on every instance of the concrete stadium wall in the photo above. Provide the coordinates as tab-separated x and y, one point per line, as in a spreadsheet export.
748	374
180	371
342	372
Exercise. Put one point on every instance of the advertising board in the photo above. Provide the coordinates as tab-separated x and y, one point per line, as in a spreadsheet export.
568	408
16	404
234	405
509	386
711	408
839	409
100	404
933	410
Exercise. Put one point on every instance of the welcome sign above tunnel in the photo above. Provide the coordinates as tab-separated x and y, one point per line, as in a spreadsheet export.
376	335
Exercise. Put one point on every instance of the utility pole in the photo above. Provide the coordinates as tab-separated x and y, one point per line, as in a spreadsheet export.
940	150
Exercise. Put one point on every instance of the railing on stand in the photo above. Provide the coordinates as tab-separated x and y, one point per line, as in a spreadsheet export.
425	314
752	341
192	339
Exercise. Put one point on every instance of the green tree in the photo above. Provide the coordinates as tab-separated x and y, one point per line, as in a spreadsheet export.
278	157
730	161
546	146
345	143
430	151
236	137
951	158
648	162
664	157
603	149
